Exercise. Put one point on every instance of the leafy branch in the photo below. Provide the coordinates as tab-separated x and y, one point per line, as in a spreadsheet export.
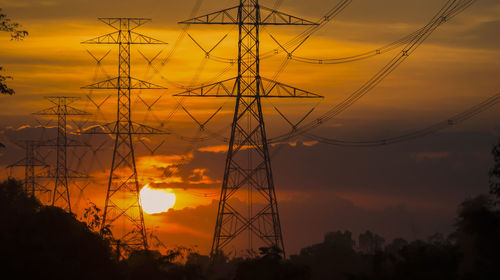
7	25
16	33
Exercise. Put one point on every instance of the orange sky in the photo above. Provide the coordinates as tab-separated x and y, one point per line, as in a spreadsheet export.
457	67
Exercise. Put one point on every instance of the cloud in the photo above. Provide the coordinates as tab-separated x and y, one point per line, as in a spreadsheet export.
223	148
15	3
198	177
195	224
19	128
157	169
178	229
214	149
298	143
27	4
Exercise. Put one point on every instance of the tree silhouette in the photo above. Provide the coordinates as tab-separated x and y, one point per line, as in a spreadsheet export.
16	33
269	265
370	243
495	172
42	242
334	258
395	246
478	231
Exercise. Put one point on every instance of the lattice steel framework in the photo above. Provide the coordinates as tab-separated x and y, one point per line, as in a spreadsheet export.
122	196
248	164
62	109
30	162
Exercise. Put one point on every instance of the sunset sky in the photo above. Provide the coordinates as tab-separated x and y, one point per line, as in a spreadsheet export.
409	189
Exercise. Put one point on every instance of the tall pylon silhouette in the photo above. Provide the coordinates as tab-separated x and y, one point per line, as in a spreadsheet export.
248	164
62	109
122	206
30	163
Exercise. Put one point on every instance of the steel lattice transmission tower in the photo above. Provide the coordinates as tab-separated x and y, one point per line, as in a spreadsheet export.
30	163
122	196
248	164
62	109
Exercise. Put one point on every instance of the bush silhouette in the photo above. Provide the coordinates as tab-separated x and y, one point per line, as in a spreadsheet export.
47	243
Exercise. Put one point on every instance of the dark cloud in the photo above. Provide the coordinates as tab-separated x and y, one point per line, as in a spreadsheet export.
363	11
438	167
160	11
481	35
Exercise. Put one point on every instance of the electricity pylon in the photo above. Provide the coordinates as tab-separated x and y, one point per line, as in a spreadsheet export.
248	165
62	109
122	196
30	162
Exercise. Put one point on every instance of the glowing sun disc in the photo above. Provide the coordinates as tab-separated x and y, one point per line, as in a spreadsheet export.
156	200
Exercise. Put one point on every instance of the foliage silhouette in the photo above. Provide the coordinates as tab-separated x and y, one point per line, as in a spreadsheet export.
370	242
7	25
495	172
269	265
46	242
478	229
334	258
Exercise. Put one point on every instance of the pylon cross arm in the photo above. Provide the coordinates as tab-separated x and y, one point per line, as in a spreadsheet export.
142	129
66	110
111	38
136	128
52	111
132	23
114	84
70	111
115	38
274	17
137	38
224	88
277	89
226	16
227	88
230	16
56	100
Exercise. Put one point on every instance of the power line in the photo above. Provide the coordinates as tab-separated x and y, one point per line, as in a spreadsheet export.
457	119
449	10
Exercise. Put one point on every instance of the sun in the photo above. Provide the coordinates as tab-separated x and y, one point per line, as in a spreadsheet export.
156	200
